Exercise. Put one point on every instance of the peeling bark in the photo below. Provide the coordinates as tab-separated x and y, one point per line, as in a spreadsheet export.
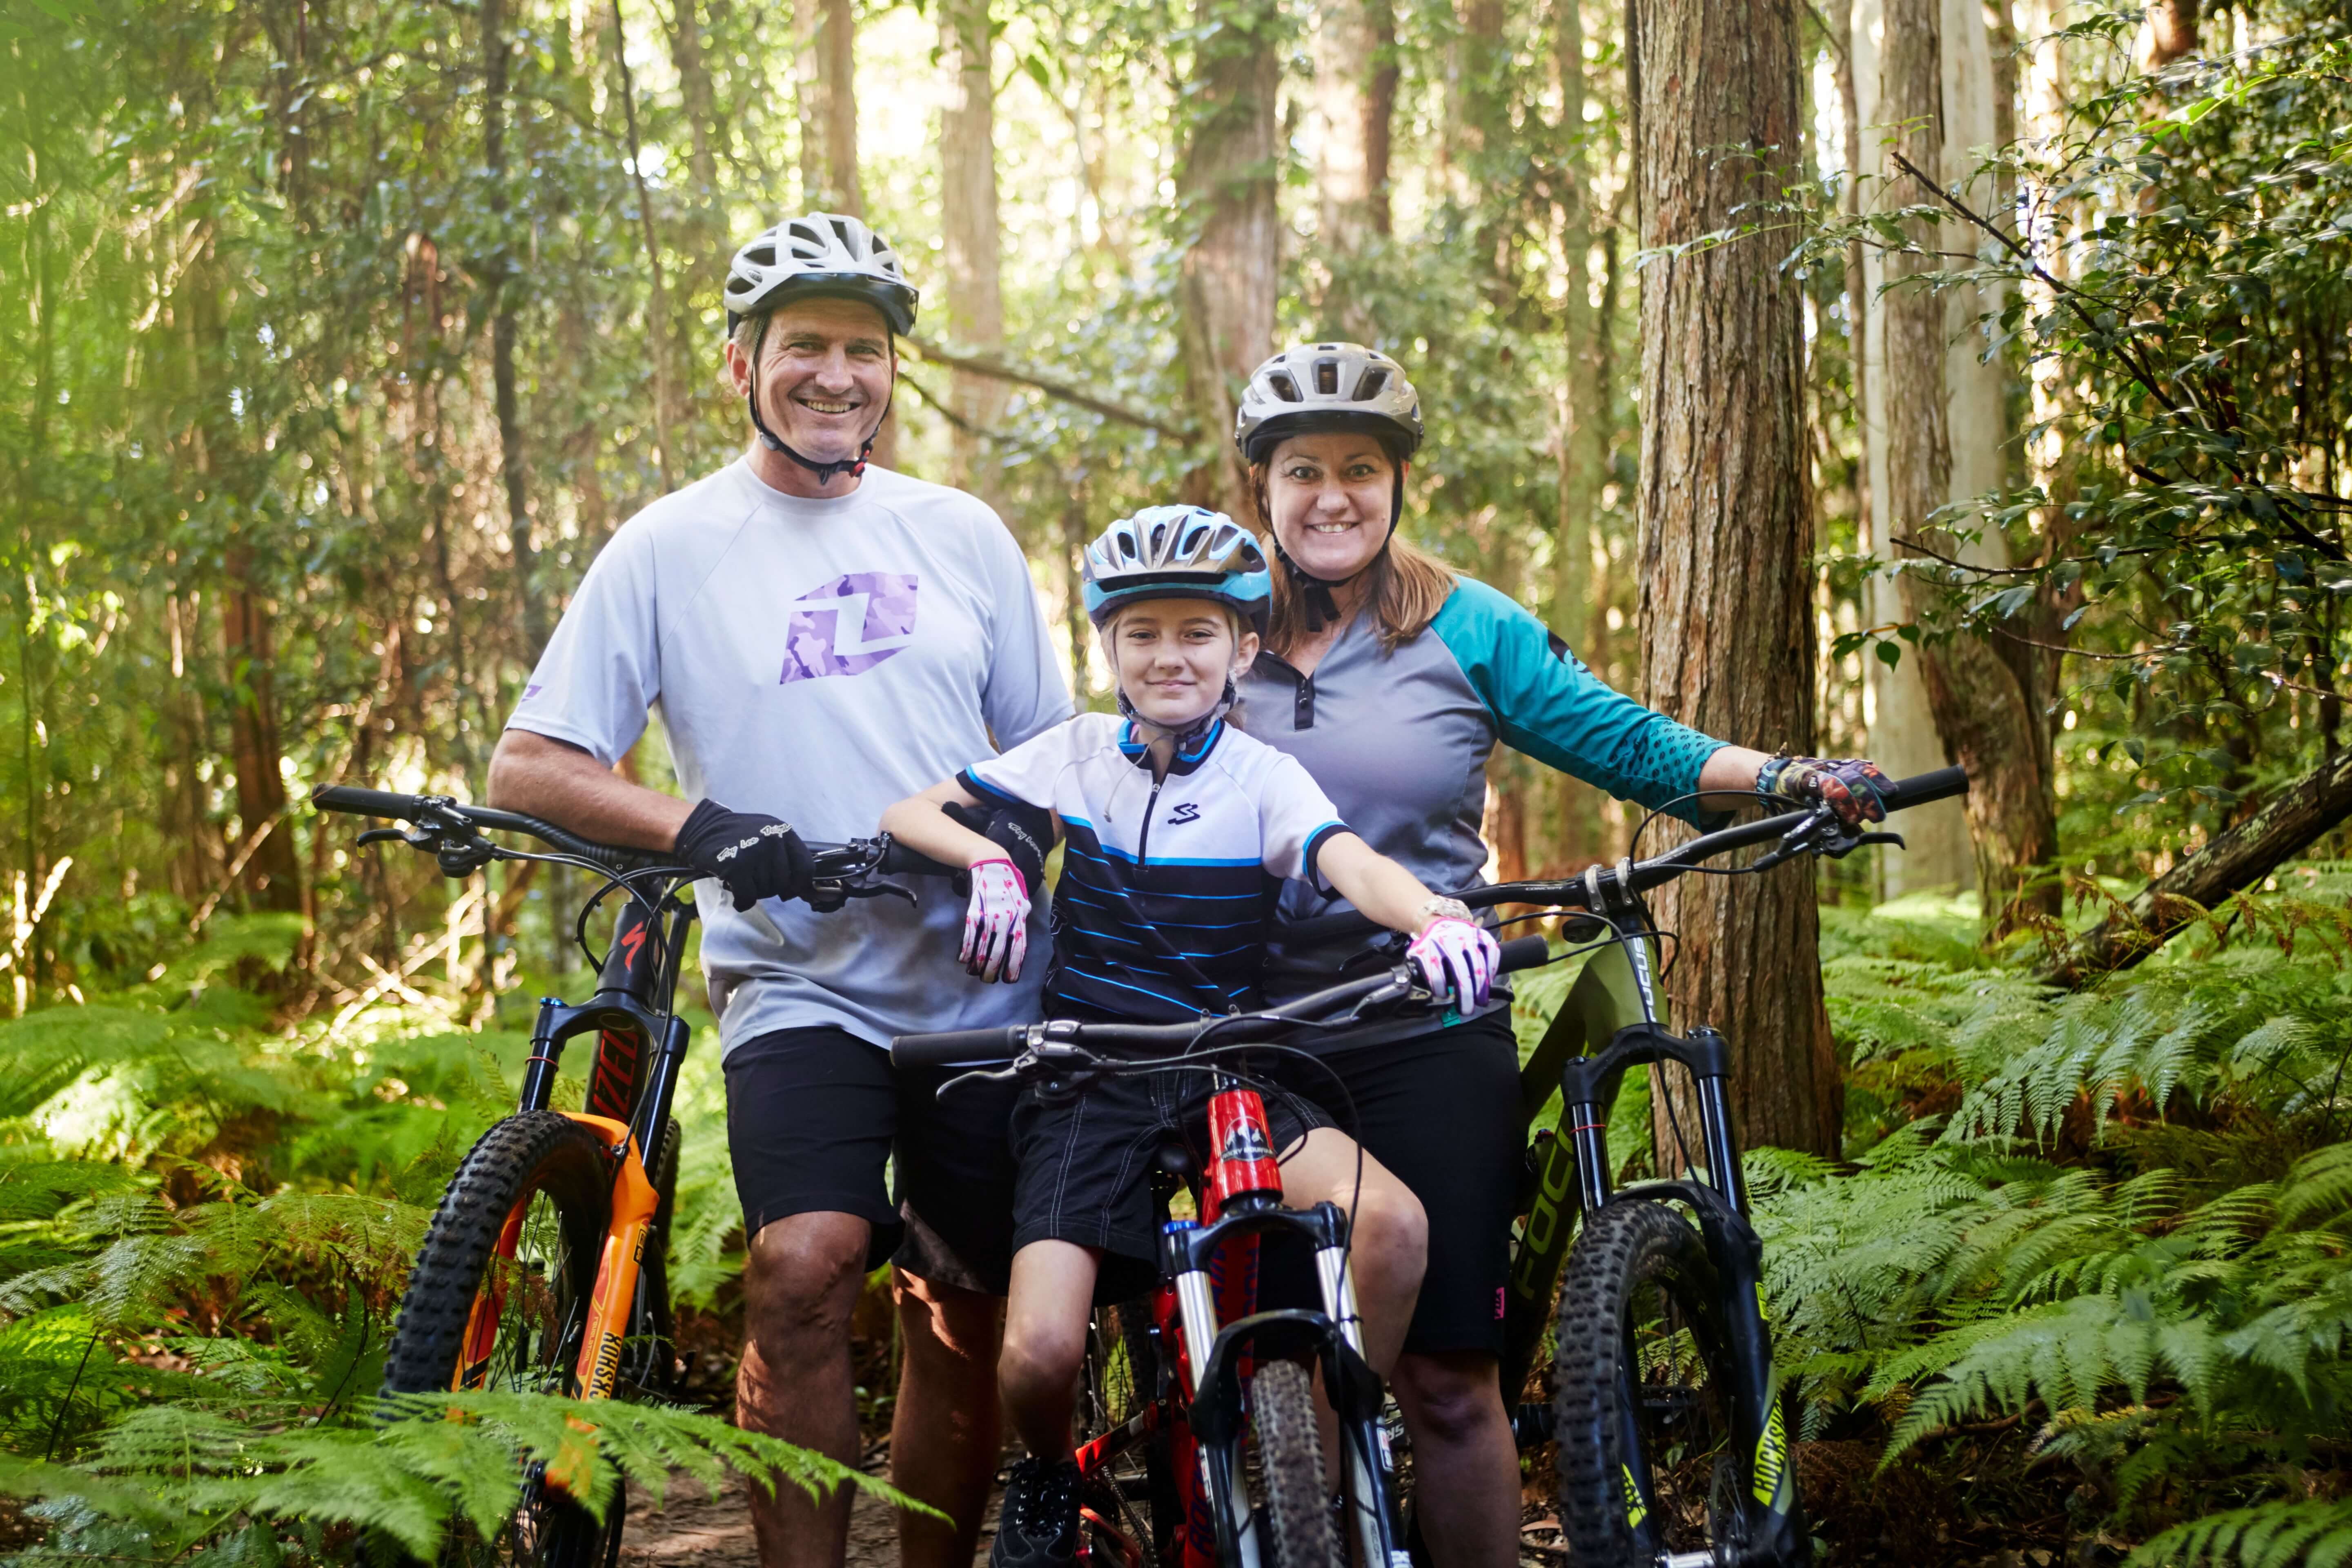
1726	520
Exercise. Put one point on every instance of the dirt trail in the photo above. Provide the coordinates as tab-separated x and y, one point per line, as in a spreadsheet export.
695	1530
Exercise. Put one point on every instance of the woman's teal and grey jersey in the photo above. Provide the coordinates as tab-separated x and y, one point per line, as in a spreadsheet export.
1401	742
1166	884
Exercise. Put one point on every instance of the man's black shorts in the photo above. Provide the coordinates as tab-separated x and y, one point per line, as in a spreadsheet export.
812	1117
1085	1165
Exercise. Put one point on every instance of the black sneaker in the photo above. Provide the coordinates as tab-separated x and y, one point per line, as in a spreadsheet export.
1039	1525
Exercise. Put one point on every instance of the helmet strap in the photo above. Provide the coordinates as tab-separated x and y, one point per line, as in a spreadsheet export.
825	473
1322	609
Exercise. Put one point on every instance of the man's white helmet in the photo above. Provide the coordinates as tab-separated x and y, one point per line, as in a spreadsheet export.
821	253
1328	386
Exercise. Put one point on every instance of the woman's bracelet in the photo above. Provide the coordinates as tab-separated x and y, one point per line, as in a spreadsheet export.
1445	909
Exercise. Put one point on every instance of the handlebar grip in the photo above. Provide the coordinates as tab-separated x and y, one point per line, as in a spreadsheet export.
902	861
1921	788
363	802
1000	1044
1524	953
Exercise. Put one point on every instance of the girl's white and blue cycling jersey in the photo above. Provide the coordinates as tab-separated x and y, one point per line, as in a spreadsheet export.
1166	884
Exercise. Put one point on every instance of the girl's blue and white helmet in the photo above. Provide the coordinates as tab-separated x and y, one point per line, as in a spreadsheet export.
1177	552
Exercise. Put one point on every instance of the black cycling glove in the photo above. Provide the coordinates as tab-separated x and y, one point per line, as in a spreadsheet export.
754	857
1024	832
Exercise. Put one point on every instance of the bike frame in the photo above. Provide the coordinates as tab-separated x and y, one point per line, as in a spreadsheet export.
641	1045
1206	1308
1614	1019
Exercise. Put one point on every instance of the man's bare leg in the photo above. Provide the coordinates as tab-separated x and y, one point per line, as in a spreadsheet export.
801	1274
947	1434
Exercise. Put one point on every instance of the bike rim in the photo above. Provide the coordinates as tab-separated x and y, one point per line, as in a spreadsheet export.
524	1330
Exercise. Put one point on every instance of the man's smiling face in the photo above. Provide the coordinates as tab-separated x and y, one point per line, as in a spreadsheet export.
825	371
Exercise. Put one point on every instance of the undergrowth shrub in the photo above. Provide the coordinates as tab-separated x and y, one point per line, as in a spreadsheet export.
207	1219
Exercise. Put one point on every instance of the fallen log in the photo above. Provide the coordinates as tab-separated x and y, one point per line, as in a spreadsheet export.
2237	859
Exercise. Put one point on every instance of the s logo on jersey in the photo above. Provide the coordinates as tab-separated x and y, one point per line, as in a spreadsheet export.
848	625
1187	812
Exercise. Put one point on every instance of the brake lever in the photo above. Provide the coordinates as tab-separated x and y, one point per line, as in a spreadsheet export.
1846	846
383	834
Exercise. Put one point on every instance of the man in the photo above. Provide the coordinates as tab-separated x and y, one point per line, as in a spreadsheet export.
822	638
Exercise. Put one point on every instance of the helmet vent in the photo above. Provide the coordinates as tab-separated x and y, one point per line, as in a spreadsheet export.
841	230
1327	377
1370	387
1285	388
763	256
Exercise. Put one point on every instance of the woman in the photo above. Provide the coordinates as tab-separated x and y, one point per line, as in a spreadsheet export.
1391	677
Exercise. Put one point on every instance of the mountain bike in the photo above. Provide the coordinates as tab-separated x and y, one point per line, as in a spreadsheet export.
1673	1443
1217	1436
544	1270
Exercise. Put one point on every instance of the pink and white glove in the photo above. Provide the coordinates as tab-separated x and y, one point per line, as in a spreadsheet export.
1456	958
996	923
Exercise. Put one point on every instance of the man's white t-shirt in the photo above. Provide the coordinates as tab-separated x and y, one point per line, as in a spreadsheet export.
816	660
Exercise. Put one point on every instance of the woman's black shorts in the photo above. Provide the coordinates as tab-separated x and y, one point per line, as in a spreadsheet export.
1085	1162
1442	1111
814	1115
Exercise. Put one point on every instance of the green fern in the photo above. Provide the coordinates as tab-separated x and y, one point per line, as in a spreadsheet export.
2268	1535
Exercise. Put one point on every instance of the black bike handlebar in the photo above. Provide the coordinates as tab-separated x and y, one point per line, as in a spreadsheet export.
1900	794
426	810
952	1047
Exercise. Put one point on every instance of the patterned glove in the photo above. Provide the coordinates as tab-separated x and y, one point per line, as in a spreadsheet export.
996	923
1852	787
1456	958
1024	832
754	857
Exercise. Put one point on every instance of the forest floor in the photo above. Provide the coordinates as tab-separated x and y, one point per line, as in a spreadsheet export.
694	1528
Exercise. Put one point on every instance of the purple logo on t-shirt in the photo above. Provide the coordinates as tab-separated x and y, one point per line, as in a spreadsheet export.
848	625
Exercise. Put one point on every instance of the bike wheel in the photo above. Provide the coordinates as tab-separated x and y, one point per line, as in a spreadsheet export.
1647	1460
498	1299
1294	1504
1132	1497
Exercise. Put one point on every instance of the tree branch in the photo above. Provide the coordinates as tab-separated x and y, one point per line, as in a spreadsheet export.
2236	859
997	369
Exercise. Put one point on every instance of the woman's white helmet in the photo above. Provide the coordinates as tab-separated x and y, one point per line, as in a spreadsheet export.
821	253
1328	386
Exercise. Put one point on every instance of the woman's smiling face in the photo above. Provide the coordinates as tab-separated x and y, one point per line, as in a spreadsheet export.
1329	497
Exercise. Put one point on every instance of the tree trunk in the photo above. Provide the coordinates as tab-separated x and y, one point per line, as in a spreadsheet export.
2171	33
270	877
1986	717
1903	736
1226	183
976	301
828	106
1355	97
529	613
1726	624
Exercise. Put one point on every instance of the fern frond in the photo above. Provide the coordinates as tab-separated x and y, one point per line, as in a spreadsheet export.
2281	1535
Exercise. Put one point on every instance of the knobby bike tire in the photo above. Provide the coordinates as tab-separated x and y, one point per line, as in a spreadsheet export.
1297	1503
1640	1277
532	1155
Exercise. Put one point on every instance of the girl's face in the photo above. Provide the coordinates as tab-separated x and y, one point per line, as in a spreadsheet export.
1328	496
1174	657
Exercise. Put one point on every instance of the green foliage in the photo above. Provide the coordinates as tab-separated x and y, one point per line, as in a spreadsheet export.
265	1484
205	1230
2134	1233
